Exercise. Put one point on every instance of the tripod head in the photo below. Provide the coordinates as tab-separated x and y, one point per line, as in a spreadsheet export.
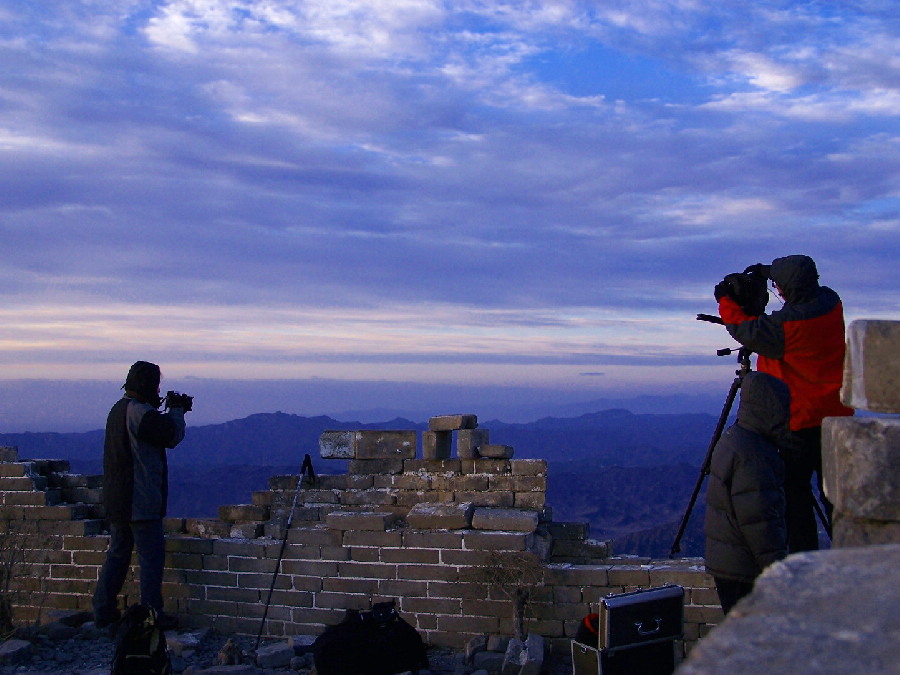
743	359
743	353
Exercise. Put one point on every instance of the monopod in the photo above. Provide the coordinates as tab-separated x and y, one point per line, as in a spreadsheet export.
306	469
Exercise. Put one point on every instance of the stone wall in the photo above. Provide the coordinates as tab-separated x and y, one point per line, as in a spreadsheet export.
861	455
395	526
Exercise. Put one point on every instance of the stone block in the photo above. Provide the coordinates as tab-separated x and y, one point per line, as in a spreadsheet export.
816	612
47	466
528	467
203	527
82	495
380	444
481	540
508	520
422	466
452	422
23	483
872	366
852	532
275	656
495	451
484	465
15	469
429	516
340	482
245	669
524	658
535	501
15	651
367	498
436	444
377	521
243	513
337	445
492	498
469	440
373	466
860	465
577	531
368	444
173	525
246	531
9	453
75	480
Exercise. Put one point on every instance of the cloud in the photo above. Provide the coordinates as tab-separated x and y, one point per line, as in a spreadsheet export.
373	182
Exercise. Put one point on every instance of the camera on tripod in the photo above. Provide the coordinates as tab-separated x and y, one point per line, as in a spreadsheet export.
749	289
176	399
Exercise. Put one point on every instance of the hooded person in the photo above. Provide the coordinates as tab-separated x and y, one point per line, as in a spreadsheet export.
135	491
745	524
803	344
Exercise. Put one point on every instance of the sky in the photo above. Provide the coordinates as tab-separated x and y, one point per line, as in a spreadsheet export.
325	205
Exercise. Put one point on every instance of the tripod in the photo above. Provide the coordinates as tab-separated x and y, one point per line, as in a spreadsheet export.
744	361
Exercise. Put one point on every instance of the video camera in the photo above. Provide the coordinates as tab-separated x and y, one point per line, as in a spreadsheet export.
175	399
749	288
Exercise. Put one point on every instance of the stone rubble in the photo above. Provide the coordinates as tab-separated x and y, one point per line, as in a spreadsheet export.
73	645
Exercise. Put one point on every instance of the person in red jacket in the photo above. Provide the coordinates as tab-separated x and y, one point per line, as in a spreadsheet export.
802	344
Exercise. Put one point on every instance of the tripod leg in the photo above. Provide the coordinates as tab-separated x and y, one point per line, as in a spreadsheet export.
704	470
305	468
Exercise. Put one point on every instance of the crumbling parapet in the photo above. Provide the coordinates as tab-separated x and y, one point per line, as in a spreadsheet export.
394	526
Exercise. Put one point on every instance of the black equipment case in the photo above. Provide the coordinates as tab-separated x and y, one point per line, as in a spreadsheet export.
636	633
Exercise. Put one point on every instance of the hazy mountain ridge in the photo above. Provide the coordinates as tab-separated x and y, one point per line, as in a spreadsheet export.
629	475
609	437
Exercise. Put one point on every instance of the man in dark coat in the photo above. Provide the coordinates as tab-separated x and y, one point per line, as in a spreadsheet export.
745	507
803	344
135	491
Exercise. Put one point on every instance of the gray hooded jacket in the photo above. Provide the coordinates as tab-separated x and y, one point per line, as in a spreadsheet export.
745	523
135	467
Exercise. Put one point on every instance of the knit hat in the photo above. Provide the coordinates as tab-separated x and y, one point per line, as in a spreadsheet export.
143	381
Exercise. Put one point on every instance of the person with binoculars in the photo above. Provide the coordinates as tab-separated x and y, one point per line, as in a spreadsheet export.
802	344
135	489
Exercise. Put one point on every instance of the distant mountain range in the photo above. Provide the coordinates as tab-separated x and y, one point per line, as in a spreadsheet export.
629	475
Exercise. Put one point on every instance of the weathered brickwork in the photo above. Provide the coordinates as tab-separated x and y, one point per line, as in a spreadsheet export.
417	530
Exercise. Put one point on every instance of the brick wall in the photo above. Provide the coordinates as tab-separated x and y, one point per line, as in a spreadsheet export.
419	531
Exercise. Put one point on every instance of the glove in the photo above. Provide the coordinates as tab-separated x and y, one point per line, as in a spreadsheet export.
723	288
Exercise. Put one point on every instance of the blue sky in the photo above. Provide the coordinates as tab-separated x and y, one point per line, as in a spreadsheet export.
535	196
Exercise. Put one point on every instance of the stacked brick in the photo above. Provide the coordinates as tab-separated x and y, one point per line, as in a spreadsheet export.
49	518
418	530
860	458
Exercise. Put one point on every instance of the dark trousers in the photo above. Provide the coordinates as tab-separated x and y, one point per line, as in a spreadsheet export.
800	462
147	537
730	591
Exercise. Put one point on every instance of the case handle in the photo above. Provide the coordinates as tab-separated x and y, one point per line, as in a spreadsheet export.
644	633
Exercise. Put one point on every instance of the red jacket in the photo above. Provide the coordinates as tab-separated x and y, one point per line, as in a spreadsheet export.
802	343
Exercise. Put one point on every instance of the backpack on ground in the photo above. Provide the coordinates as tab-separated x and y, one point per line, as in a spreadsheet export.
140	644
375	642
